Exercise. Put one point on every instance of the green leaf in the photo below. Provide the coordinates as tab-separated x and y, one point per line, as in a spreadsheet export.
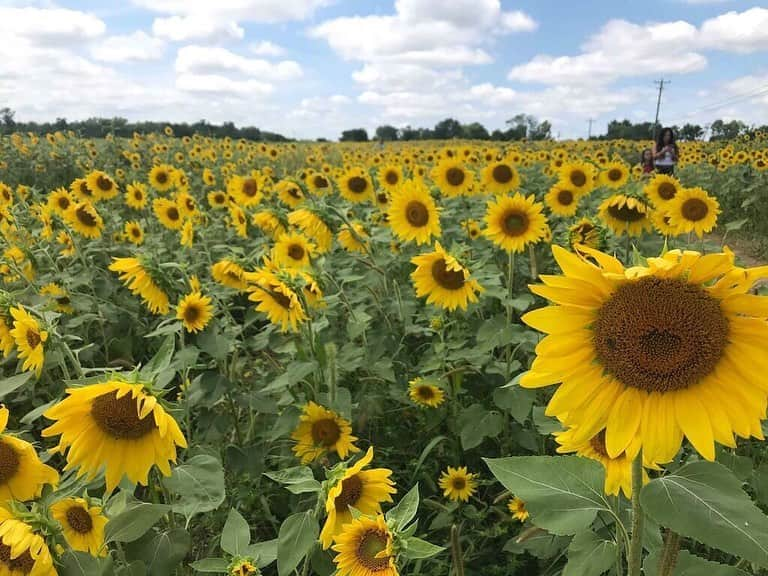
760	483
406	509
295	372
133	569
736	224
704	501
424	453
563	494
298	533
297	480
264	552
166	550
134	521
162	358
211	565
33	415
477	423
236	534
689	565
198	485
741	466
589	555
213	342
83	564
8	385
540	544
416	548
515	400
545	424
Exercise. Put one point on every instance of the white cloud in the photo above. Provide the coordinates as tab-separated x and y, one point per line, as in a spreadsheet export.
267	48
49	26
136	46
195	27
742	32
216	60
214	83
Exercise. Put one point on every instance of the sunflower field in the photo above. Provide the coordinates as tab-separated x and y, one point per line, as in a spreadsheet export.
432	358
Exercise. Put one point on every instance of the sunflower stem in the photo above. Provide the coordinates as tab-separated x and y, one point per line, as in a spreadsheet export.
510	291
635	557
534	264
456	552
628	247
669	553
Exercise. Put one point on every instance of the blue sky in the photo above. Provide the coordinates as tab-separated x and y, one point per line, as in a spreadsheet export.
310	68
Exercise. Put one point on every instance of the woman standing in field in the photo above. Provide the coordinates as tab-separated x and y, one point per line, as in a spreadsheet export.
665	152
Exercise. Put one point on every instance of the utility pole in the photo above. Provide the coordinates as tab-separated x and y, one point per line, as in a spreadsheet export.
660	84
589	130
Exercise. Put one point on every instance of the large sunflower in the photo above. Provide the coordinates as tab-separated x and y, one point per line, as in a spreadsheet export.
79	187
82	525
321	431
292	250
289	193
562	200
658	352
513	222
318	183
133	232
578	176
390	177
353	238
194	311
84	219
136	278
102	185
59	201
500	177
23	551
114	426
229	274
246	190
364	490
662	189
161	177
22	475
614	174
443	280
136	196
168	212
365	548
457	483
625	215
413	214
452	177
29	340
355	185
693	210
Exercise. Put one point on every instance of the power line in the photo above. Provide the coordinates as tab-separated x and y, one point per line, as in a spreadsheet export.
660	84
712	106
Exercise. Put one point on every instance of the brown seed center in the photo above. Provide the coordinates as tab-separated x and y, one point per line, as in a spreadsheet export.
85	217
119	417
391	177
417	214
371	544
357	184
502	174
614	174
161	177
33	338
694	209
296	251
9	462
448	279
515	223
660	334
79	520
625	213
63	202
172	213
425	392
191	313
667	190
295	193
281	299
320	182
459	483
455	176
578	178
565	197
351	490
104	183
326	432
250	187
22	564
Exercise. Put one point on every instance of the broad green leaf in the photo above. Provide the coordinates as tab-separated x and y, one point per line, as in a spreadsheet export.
416	548
211	565
296	372
736	224
33	415
133	569
406	509
264	552
83	564
689	565
162	358
298	534
134	521
538	543
198	485
8	385
741	466
760	483
589	555
213	342
477	423
545	424
515	400
563	494
166	550
297	480
704	501
236	534
424	453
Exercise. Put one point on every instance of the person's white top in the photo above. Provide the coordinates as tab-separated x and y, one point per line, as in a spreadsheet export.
666	160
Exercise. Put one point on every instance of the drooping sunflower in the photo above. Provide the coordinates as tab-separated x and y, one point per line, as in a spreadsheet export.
321	431
115	426
654	352
500	177
187	237
82	525
23	551
390	177
443	280
83	218
693	210
268	222
102	185
614	174
364	490
139	281
561	200
452	177
279	302
243	567
313	227
195	311
238	220
136	196
59	297
413	213
585	233
161	177
354	238
578	176
168	213
134	233
424	393
625	215
516	507
289	193
229	274
22	474
29	340
59	201
662	189
79	187
6	195
292	250
218	199
513	222
355	185
457	483
318	183
364	548
660	220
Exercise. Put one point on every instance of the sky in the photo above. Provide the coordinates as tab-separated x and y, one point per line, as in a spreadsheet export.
312	68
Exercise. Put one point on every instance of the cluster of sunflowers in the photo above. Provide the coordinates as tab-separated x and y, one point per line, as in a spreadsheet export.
233	240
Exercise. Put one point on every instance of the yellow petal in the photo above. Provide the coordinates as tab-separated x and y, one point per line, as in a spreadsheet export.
694	422
624	421
559	319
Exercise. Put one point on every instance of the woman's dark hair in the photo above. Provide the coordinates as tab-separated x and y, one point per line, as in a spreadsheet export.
660	139
642	156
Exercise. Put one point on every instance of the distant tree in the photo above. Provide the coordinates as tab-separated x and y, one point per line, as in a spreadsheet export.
691	132
475	131
386	132
721	130
7	116
525	126
447	129
354	135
